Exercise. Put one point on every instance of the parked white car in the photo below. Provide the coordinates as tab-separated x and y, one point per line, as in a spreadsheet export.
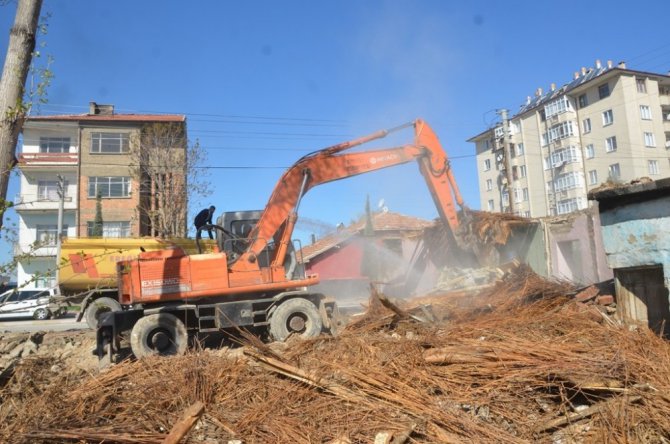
28	304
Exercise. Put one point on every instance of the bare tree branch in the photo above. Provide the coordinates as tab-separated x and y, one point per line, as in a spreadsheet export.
166	167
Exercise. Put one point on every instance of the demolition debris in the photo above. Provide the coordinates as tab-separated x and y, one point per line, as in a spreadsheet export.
523	360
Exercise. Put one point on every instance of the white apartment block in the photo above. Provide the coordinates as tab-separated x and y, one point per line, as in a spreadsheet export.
609	123
91	154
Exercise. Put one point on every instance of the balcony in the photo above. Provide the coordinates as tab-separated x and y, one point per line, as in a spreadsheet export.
23	202
48	159
32	251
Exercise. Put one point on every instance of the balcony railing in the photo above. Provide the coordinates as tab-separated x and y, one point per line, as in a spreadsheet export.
31	202
28	249
38	159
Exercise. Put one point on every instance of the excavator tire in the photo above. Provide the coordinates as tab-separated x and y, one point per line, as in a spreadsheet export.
158	334
295	316
99	306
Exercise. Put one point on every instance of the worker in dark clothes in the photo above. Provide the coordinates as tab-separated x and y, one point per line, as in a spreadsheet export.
203	218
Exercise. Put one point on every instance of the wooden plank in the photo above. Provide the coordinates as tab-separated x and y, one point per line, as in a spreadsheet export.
191	415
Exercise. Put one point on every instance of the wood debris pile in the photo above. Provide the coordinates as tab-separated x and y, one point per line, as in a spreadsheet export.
519	362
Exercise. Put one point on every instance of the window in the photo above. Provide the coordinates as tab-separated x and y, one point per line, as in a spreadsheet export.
110	143
393	246
614	171
525	194
522	171
515	173
590	151
586	126
517	195
645	112
653	167
582	101
568	181
526	214
558	106
487	164
46	234
512	150
499	132
108	186
604	91
610	144
569	205
110	229
558	132
505	198
519	149
608	117
54	144
649	140
593	177
641	85
565	155
490	204
45	281
48	190
489	184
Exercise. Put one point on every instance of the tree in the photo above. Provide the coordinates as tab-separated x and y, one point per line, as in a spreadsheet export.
22	38
98	222
169	174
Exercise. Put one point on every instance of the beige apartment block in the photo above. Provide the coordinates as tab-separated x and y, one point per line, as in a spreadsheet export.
609	123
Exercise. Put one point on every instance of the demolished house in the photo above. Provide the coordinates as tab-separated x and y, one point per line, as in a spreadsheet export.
349	259
635	222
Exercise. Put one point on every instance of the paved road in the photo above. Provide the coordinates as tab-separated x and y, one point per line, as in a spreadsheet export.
30	325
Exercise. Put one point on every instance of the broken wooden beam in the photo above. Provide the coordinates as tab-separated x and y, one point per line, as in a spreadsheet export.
191	415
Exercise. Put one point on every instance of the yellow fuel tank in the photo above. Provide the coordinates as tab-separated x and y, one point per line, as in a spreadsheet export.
87	263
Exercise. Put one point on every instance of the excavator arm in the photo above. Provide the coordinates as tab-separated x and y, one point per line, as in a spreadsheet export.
330	164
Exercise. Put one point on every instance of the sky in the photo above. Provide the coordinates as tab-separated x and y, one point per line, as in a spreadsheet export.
264	82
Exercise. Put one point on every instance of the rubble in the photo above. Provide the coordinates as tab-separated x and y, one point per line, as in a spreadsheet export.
520	361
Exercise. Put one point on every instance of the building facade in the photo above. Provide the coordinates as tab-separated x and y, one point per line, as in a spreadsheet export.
609	123
89	156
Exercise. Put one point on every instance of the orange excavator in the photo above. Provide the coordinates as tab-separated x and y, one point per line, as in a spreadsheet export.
255	280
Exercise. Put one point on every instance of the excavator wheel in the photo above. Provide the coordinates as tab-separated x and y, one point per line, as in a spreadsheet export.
99	306
295	316
158	334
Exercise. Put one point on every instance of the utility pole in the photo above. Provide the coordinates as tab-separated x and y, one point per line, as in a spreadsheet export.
507	155
22	39
61	204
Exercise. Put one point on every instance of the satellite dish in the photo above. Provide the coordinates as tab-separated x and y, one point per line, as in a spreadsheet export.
380	205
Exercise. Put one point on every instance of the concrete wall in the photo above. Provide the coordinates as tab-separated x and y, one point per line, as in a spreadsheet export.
636	235
576	252
568	247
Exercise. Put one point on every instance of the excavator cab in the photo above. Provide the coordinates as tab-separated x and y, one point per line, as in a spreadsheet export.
234	240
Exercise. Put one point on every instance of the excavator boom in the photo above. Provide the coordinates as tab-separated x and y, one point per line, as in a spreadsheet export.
332	164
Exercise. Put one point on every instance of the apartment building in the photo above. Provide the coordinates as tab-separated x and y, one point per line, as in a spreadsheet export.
609	123
90	155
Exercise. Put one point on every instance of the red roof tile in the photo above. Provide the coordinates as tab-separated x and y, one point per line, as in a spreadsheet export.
324	244
385	221
111	118
388	221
